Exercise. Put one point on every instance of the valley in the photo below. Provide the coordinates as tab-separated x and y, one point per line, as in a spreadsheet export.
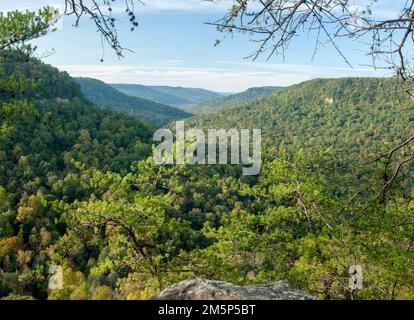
96	203
189	150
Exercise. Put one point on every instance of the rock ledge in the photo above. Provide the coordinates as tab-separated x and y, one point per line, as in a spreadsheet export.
201	289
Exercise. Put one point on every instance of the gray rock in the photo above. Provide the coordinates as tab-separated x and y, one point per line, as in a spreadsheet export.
201	289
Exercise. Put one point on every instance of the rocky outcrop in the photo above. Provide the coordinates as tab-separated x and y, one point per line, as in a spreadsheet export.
201	289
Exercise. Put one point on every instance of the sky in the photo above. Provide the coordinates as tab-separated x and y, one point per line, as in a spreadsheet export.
174	46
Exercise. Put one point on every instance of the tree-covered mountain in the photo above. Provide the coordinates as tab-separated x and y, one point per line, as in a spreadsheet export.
75	195
49	133
84	207
148	111
175	96
48	125
350	116
228	101
146	92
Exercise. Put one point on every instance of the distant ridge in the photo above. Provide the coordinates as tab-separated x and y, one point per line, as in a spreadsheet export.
221	103
106	96
175	96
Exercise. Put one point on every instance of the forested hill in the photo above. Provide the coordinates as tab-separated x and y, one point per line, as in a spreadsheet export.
220	103
348	115
176	96
48	128
32	79
146	110
50	137
146	92
74	194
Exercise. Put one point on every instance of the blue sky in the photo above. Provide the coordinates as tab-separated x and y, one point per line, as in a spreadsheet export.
173	46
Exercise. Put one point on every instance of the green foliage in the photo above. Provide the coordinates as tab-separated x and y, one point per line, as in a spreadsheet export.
19	27
49	135
78	188
352	117
294	223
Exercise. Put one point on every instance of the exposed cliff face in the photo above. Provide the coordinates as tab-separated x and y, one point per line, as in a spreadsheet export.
201	289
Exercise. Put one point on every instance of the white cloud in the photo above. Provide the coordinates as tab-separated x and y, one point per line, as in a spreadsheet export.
218	79
383	9
119	6
7	5
187	5
213	79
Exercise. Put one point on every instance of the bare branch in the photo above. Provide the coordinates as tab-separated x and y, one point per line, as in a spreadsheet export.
101	13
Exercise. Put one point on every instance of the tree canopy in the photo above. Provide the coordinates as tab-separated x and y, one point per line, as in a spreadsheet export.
79	188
